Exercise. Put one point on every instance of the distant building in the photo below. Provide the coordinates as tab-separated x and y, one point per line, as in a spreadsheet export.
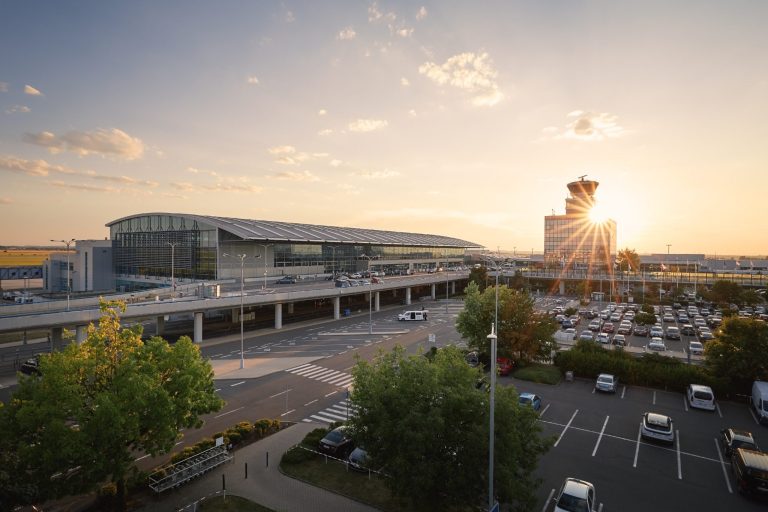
574	240
90	268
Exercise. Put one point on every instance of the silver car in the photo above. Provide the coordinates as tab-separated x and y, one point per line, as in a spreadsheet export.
606	382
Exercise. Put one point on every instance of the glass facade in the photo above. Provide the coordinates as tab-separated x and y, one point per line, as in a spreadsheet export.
575	242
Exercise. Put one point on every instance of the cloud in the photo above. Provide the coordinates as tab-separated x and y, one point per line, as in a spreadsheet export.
112	142
335	163
289	17
28	89
18	108
194	170
288	155
252	80
468	71
281	150
403	31
590	126
499	220
375	175
305	176
322	112
33	167
6	200
346	34
367	125
374	14
173	196
404	82
215	187
325	132
87	188
412	113
422	13
3	86
125	180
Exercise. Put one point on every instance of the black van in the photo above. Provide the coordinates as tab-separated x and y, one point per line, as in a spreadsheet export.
750	468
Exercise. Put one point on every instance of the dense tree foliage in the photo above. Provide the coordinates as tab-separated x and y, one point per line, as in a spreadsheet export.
479	276
425	422
739	354
524	333
644	318
725	292
94	406
628	260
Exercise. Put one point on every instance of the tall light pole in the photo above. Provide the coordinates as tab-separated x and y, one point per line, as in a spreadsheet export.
492	426
265	263
446	281
370	295
173	281
242	282
67	243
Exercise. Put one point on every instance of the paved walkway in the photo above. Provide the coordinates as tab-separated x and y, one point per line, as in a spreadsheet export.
265	484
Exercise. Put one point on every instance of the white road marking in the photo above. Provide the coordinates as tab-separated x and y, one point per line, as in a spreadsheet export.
637	448
332	376
217	355
685	403
679	466
717	405
566	428
287	413
310	403
331	393
348	368
624	390
654	398
281	393
600	508
237	383
600	437
545	410
549	500
141	458
217	390
593	390
753	415
343	352
229	412
722	465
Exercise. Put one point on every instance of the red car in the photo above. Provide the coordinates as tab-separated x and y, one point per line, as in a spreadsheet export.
505	365
608	327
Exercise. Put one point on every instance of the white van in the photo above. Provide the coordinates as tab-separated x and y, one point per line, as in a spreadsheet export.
412	315
701	397
760	400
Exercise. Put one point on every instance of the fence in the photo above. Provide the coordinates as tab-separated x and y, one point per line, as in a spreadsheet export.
189	468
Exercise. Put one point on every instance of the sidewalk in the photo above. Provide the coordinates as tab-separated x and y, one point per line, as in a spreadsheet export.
265	485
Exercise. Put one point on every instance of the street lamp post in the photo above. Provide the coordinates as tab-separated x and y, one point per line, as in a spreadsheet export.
242	283
370	295
492	427
68	243
265	263
446	282
173	281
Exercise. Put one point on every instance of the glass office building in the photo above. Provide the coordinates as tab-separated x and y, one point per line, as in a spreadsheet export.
574	240
200	247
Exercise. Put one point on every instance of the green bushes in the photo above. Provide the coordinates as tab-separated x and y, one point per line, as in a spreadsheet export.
312	439
652	370
297	455
243	432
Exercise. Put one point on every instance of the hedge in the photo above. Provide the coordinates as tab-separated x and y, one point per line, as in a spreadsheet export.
242	432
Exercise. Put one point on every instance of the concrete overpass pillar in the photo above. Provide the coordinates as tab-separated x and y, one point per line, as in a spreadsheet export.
81	332
56	338
336	308
160	325
453	287
198	332
278	316
290	308
433	291
562	287
408	296
377	302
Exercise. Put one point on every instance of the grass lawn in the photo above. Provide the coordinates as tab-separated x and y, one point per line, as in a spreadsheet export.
231	504
335	477
542	373
21	258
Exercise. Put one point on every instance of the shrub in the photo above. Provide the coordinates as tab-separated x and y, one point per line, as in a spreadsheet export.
234	436
244	428
297	455
312	439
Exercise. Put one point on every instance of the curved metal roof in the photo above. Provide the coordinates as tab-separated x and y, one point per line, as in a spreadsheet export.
273	231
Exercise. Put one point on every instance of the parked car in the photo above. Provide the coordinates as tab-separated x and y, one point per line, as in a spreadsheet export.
586	336
688	330
337	443
529	399
571	333
706	335
286	280
505	365
606	382
31	366
673	333
594	325
731	438
640	330
625	328
750	470
696	348
603	338
575	496
700	397
656	332
619	340
608	327
656	344
657	427
358	459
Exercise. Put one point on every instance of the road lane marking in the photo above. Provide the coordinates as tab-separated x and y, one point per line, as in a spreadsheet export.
545	410
286	413
679	466
310	403
566	428
331	376
331	393
549	500
600	437
624	390
654	398
343	352
722	465
281	393
753	415
229	412
237	383
685	403
593	390
600	508
637	448
717	405
217	390
141	458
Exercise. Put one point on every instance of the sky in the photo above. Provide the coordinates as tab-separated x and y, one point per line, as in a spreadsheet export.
464	119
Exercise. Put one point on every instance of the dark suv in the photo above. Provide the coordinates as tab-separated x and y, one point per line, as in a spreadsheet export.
31	366
337	443
750	469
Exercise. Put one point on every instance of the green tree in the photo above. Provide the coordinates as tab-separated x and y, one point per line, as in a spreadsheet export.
479	276
94	406
645	318
739	354
426	423
725	292
524	333
628	260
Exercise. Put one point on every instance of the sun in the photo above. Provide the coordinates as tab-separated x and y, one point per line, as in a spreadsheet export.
598	214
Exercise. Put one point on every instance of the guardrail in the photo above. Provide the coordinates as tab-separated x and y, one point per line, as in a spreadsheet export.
189	468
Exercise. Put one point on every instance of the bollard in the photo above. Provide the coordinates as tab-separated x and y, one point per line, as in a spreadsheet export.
267	459
246	470
223	482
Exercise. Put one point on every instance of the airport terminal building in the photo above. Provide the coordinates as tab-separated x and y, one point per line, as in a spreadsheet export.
147	247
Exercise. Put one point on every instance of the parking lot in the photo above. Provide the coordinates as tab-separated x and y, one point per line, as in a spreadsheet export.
597	438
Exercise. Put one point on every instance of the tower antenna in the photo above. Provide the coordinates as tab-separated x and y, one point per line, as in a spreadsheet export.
582	177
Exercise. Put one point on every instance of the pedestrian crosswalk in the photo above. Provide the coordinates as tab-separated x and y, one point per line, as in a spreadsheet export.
319	373
341	411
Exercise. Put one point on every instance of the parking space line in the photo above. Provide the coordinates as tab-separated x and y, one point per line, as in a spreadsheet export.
722	465
685	403
654	398
600	508
679	466
600	437
637	448
623	390
717	405
545	410
566	428
753	415
549	500
593	390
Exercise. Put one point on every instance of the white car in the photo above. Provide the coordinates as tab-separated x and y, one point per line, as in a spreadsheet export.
570	333
603	338
696	348
575	496
701	397
657	331
620	340
657	344
606	382
658	427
